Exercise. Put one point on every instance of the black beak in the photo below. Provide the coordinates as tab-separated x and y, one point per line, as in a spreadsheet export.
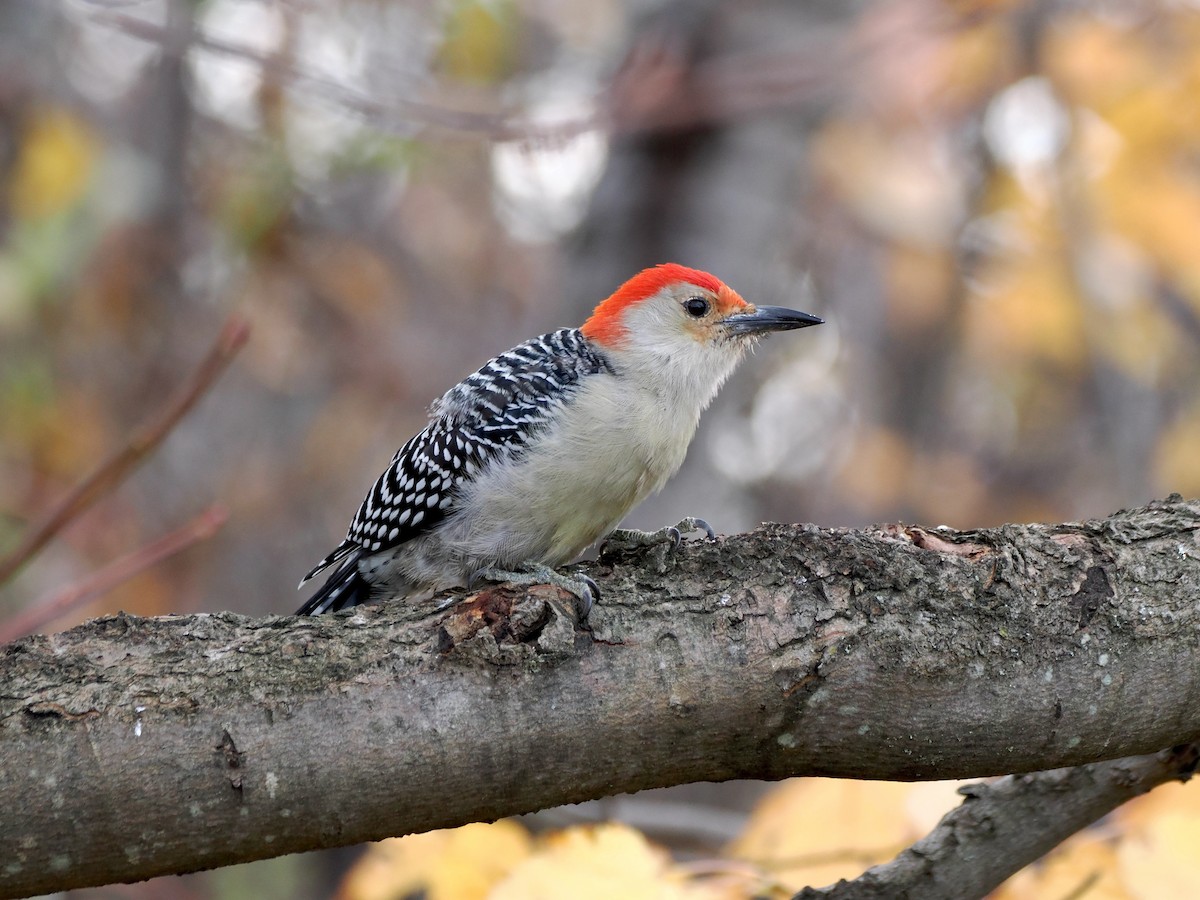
769	318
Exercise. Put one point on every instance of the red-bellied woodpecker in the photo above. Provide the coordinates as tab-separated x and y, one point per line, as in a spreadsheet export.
543	451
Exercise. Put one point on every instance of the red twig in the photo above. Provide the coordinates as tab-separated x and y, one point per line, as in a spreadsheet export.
117	467
51	607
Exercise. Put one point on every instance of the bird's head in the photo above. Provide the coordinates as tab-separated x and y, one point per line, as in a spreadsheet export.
682	330
673	309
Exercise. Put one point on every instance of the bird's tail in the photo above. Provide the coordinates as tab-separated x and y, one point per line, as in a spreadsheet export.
345	587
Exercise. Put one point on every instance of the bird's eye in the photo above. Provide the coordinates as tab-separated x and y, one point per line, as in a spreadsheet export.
696	307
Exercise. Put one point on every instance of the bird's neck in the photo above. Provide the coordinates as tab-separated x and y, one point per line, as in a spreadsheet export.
681	378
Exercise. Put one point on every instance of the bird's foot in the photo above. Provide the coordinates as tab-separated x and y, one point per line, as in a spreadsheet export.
632	539
583	588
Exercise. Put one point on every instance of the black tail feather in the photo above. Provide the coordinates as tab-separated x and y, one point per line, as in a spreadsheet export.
344	549
344	588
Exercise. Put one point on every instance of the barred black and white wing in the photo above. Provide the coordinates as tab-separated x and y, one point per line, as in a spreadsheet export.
494	413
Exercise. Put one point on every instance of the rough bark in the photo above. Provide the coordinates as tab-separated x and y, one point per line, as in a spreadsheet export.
135	747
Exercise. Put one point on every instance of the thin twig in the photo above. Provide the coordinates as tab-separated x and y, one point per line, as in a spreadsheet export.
733	86
54	606
117	467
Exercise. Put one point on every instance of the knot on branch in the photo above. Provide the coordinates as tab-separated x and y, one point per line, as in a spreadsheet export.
507	626
231	758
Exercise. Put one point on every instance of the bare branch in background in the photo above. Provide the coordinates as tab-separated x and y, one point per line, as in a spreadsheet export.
716	90
44	611
115	469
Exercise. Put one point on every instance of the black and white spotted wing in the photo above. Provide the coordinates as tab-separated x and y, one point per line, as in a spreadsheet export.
496	411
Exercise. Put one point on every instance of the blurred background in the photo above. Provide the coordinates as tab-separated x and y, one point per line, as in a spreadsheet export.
995	205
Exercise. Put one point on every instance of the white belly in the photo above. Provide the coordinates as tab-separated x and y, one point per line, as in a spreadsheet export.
613	446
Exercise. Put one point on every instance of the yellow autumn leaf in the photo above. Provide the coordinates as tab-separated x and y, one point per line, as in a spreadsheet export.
353	276
1034	312
813	831
1177	459
920	287
1083	867
974	61
451	864
1152	119
874	472
67	436
1157	855
895	185
1157	207
1189	65
57	155
1136	340
1174	797
948	487
1094	62
479	40
598	863
1159	859
929	801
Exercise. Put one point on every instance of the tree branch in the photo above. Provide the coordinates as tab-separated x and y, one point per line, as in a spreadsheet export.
180	743
117	467
54	606
1004	826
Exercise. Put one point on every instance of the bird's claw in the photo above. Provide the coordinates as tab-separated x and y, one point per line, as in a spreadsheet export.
630	539
585	590
592	596
691	523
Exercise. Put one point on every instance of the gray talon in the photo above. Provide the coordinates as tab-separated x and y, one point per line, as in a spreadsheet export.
628	539
693	524
586	603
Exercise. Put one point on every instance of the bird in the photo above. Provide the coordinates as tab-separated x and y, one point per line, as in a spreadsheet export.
540	453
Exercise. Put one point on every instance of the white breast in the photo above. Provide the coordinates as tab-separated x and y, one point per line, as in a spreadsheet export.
612	446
